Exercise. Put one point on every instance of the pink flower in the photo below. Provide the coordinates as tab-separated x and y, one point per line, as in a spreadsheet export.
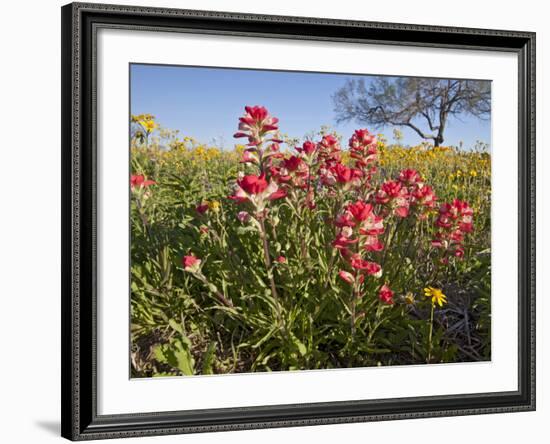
329	149
393	193
295	164
362	138
346	276
401	211
456	213
359	216
256	189
308	148
363	147
454	220
371	243
345	220
243	216
342	173
360	210
281	260
385	294
239	195
293	170
138	181
424	195
410	177
249	157
341	242
278	194
388	190
202	208
371	268
191	263
253	184
256	124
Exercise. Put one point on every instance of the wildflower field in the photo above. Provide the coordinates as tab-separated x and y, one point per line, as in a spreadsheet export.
333	252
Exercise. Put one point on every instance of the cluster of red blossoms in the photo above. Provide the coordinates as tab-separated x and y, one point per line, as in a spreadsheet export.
454	220
318	165
407	192
359	228
360	225
261	130
312	164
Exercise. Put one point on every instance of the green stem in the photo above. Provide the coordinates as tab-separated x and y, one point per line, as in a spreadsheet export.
352	308
430	335
214	290
267	260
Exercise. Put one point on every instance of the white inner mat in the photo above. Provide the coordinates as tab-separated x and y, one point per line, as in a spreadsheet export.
118	394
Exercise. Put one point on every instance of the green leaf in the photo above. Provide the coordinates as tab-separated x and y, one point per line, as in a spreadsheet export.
176	326
185	361
208	359
176	354
302	349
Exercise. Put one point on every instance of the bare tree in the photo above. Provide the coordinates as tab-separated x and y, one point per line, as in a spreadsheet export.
421	104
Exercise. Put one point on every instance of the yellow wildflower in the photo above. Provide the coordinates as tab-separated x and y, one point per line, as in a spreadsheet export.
214	205
149	125
436	294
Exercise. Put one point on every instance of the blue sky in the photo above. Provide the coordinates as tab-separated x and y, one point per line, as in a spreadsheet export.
205	103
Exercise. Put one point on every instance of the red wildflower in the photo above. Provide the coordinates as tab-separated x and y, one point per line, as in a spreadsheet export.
361	138
294	163
368	267
329	149
249	157
280	193
191	263
342	173
256	124
385	294
138	181
424	195
360	210
401	211
371	243
243	216
202	208
345	220
388	190
341	242
392	192
346	276
308	148
454	220
256	189
253	184
410	177
363	147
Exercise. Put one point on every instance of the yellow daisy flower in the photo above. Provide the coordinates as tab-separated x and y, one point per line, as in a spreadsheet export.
436	294
214	205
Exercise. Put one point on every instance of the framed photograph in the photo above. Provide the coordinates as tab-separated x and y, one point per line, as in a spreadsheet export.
276	221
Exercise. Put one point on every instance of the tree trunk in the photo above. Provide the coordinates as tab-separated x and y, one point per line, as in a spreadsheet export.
438	140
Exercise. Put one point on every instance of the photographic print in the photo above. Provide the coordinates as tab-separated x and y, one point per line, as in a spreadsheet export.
286	221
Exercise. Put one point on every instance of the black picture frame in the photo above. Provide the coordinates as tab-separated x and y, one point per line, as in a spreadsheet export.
80	22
